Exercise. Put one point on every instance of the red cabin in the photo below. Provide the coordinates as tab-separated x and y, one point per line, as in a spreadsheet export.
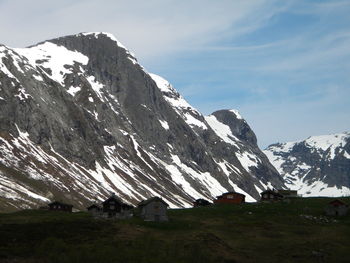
230	198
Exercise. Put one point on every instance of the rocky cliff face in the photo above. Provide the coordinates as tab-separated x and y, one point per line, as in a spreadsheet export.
317	166
80	118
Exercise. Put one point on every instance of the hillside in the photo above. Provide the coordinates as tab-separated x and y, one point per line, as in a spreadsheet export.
279	232
317	166
80	119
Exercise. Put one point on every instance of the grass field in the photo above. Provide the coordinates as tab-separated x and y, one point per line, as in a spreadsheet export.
280	232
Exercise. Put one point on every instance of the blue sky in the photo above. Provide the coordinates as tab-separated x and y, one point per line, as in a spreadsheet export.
283	64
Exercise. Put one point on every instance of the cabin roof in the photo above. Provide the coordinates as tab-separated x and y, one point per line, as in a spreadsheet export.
235	193
201	200
337	202
269	191
113	197
93	206
152	199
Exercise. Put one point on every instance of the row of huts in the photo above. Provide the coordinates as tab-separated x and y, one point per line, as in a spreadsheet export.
334	208
152	209
238	198
155	208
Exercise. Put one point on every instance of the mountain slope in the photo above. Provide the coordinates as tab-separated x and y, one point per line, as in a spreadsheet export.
317	166
80	118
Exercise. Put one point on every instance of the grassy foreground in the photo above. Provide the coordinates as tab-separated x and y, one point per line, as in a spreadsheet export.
281	232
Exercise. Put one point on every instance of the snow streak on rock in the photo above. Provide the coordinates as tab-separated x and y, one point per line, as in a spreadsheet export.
181	106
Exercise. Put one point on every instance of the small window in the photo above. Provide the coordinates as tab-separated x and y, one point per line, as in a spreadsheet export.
230	197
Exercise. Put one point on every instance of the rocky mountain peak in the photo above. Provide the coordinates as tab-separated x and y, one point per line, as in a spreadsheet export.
238	126
80	118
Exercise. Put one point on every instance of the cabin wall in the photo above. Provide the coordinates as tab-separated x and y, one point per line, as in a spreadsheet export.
336	210
95	211
112	207
154	211
270	197
230	199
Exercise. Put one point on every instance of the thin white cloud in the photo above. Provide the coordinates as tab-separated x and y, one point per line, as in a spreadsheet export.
320	52
149	28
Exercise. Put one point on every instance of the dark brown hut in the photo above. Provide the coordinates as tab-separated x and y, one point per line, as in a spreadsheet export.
153	209
270	196
201	202
114	207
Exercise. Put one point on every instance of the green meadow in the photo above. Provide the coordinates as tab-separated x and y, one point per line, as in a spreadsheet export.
297	231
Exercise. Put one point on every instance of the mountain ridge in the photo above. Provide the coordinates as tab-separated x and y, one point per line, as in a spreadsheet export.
80	118
316	166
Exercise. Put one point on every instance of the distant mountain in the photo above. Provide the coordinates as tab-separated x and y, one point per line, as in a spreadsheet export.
80	118
317	166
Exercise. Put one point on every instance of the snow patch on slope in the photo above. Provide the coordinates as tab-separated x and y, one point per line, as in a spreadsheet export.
190	115
247	160
178	170
319	188
236	112
222	130
96	86
328	142
3	67
53	57
164	124
73	90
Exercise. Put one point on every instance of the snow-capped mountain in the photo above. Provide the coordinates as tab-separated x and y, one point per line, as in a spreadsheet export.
317	166
80	118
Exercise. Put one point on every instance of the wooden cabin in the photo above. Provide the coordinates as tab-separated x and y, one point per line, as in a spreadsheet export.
114	207
201	202
230	198
288	193
59	206
270	196
336	208
153	209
